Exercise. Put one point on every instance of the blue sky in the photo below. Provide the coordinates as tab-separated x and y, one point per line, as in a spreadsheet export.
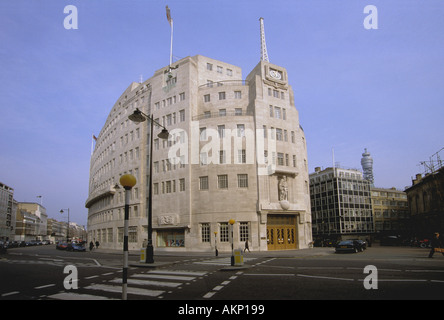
354	88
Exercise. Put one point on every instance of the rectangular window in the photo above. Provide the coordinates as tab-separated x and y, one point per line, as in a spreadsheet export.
203	183
168	187
221	131
132	234
224	233
237	94
205	232
182	184
279	136
238	111
241	156
277	112
244	231
222	157
280	159
155	188
207	98
221	95
203	134
222	181
203	158
241	130
242	180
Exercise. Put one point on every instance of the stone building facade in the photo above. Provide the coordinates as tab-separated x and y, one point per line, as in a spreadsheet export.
236	151
426	204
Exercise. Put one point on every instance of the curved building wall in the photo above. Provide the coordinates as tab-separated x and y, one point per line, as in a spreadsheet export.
236	151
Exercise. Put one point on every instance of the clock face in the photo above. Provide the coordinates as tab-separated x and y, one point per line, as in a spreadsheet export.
275	74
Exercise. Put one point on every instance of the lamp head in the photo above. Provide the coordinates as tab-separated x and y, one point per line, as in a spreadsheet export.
128	181
137	116
164	134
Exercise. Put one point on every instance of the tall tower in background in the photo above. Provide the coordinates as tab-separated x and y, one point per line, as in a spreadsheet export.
367	166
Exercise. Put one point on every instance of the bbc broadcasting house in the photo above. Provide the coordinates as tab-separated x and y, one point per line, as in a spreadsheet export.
235	151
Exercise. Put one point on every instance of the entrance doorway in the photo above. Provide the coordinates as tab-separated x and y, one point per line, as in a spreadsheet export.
281	232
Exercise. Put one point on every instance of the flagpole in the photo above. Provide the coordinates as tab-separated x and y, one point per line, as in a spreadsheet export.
170	20
171	45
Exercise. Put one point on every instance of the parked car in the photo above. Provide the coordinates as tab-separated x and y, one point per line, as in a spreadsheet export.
61	246
76	247
362	243
349	246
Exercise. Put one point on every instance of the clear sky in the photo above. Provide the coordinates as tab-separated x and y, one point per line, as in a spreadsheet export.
380	89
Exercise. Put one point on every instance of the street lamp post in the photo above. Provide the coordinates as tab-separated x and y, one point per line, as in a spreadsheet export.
138	117
127	181
67	229
231	222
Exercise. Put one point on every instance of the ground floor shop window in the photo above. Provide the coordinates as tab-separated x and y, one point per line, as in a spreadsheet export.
171	238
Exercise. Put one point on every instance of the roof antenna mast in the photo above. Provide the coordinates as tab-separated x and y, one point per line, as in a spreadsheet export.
264	54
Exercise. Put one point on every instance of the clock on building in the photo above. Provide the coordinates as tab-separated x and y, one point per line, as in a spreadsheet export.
275	74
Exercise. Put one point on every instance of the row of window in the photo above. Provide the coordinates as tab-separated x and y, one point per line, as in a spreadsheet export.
219	69
174	238
224	232
222	96
169	101
278	112
169	186
222	181
276	93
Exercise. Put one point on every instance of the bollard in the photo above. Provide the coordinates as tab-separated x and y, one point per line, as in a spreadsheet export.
142	255
238	257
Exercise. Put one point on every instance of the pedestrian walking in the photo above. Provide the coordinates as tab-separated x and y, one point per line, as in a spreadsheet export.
246	247
91	246
435	243
97	244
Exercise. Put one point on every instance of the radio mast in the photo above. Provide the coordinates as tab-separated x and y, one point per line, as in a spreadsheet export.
264	54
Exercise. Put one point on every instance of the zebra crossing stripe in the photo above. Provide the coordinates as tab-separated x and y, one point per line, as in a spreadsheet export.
76	296
166	277
148	283
130	290
179	272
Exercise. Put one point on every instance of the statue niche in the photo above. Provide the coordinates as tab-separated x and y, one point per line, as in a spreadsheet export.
283	193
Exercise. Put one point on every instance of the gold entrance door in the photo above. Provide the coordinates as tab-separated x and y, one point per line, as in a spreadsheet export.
281	236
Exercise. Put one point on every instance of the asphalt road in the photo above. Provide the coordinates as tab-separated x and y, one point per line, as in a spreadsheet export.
193	280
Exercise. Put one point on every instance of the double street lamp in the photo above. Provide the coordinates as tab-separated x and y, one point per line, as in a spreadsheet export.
138	117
